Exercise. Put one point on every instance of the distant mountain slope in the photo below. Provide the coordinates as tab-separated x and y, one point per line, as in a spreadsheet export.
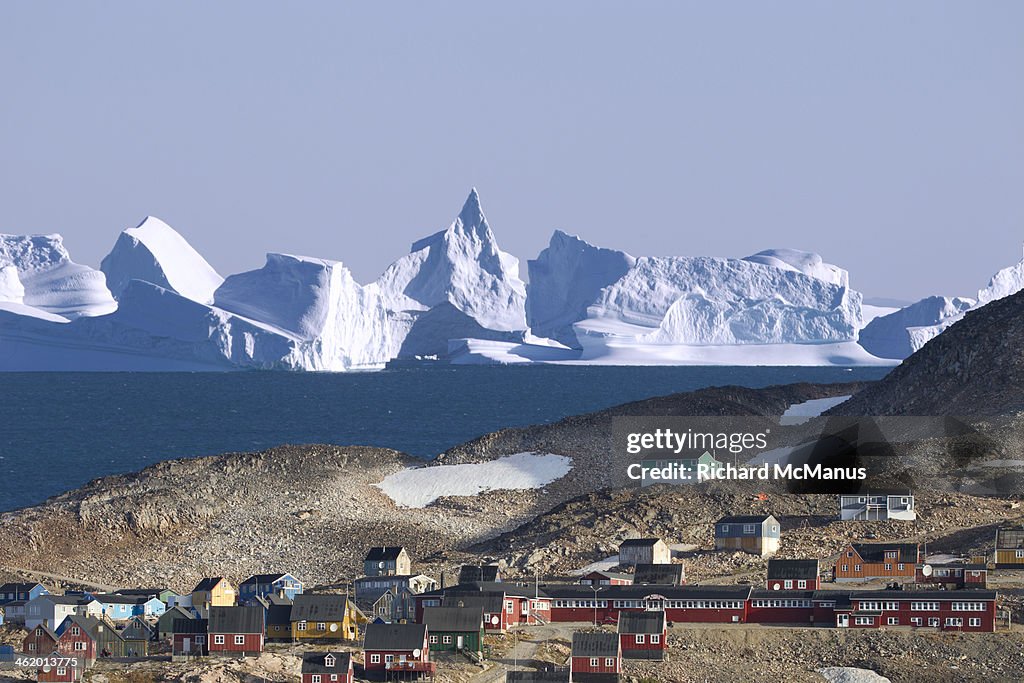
976	367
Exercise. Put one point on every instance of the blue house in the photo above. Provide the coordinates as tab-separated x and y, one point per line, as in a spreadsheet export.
13	592
124	607
264	585
756	534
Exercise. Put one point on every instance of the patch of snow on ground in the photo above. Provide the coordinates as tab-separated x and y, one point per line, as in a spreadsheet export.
799	413
849	674
600	566
421	486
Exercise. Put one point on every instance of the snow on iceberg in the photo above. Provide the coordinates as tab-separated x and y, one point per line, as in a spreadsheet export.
51	281
153	251
420	486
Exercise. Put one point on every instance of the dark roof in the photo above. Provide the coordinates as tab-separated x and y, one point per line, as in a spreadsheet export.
47	630
937	595
491	603
611	575
1011	538
598	644
91	626
319	607
453	619
68	599
264	578
402	637
743	519
639	542
470	573
793	569
208	584
279	614
879	492
313	662
664	574
151	592
537	676
385	554
13	587
115	599
180	611
764	594
236	620
875	552
641	622
191	626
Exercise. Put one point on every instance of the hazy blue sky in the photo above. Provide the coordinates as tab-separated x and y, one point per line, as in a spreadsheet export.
887	136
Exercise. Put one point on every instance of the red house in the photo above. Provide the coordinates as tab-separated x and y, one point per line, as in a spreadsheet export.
643	635
189	639
236	631
76	639
606	579
697	604
793	575
393	648
61	669
40	641
966	610
954	575
596	658
784	607
327	667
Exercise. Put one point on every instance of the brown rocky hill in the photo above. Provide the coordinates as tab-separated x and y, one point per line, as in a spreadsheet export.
974	368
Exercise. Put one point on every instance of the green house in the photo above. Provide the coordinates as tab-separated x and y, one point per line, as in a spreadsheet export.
455	629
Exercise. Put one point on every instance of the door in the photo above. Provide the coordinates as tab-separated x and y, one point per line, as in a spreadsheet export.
843	620
186	645
458	643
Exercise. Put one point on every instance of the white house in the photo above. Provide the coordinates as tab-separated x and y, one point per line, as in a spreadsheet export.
877	505
52	610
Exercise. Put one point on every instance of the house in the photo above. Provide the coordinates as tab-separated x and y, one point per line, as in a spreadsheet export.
89	637
755	534
678	470
277	617
643	635
596	657
14	612
389	649
471	573
455	629
953	575
867	561
164	595
213	592
61	670
12	592
236	631
537	676
877	506
370	594
685	604
138	634
262	585
634	551
943	610
316	616
189	639
387	561
1009	549
601	578
123	607
54	609
165	624
659	574
40	640
327	667
793	575
493	605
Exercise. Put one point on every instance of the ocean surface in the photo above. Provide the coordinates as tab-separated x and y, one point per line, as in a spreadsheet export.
60	430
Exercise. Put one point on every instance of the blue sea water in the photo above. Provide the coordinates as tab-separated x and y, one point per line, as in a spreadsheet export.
60	430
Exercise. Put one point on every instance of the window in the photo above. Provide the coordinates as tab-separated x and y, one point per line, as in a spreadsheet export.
1020	554
904	501
388	659
849	553
864	621
933	621
974	621
509	607
916	621
788	584
639	639
593	661
890	553
316	678
725	528
433	639
239	640
655	638
301	626
374	659
75	631
968	607
609	661
748	528
900	566
218	640
954	621
888	567
894	621
802	583
924	606
856	567
321	626
80	647
846	567
447	640
61	671
31	647
198	640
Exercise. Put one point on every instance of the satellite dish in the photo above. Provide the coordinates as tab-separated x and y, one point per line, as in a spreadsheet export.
926	570
380	565
495	620
334	627
775	587
416	652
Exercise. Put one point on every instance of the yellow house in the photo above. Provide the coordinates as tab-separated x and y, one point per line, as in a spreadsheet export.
213	592
325	617
1009	551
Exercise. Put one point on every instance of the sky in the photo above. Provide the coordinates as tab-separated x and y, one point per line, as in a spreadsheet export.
888	137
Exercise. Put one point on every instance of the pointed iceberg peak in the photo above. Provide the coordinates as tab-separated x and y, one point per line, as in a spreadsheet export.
154	251
471	218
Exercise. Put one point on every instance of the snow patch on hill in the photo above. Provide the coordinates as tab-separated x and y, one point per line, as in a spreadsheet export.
799	413
421	486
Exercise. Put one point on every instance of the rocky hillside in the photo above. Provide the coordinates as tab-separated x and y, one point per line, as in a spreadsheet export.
974	368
